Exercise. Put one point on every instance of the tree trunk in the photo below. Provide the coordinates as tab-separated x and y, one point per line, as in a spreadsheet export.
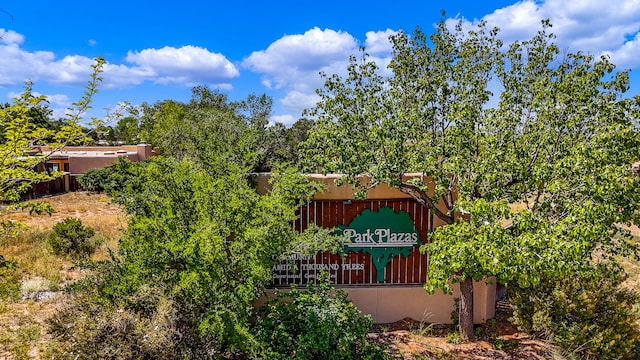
466	309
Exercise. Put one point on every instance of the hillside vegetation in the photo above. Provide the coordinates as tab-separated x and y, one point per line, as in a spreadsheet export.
38	271
23	327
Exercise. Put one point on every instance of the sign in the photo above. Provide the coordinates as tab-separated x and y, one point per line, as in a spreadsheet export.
383	234
381	244
384	228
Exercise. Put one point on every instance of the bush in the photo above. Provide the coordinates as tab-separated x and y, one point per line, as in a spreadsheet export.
112	178
9	282
205	242
88	328
69	236
589	315
94	180
316	324
6	264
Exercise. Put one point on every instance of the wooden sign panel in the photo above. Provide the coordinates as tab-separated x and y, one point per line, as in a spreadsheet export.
383	247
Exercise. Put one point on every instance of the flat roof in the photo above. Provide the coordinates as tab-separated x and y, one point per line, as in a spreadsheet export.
90	154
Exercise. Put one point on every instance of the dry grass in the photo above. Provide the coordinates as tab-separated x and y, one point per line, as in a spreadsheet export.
408	339
22	321
95	211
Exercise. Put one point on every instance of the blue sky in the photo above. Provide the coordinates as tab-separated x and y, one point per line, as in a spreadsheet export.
157	51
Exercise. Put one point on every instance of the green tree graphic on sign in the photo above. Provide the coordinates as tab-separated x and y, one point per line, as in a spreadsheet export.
383	234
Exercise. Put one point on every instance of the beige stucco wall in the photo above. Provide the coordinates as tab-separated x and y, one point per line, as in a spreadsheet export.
144	151
82	164
387	304
390	304
84	158
345	192
141	148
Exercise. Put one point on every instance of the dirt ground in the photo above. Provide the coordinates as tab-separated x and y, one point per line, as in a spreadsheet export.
409	339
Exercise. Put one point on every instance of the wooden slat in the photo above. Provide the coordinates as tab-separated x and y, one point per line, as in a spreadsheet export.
400	270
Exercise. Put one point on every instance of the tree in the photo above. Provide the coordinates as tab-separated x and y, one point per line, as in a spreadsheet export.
24	124
540	179
206	128
203	240
23	128
18	171
296	134
210	124
200	243
103	134
127	131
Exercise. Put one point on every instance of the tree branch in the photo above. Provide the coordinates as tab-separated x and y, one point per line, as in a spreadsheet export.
420	196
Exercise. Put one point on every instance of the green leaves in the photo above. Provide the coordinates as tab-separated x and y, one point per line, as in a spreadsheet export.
316	323
69	236
17	170
556	145
23	129
206	235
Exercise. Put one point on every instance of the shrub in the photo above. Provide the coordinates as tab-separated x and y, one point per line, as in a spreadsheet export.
9	281
112	178
69	236
88	328
590	315
318	323
6	264
94	179
204	241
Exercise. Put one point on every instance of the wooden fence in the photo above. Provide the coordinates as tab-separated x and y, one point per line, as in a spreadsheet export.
66	183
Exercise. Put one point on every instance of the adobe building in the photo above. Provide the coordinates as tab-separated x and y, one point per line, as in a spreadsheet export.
77	160
382	269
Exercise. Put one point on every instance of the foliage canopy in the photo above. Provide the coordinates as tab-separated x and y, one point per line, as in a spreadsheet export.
534	180
204	241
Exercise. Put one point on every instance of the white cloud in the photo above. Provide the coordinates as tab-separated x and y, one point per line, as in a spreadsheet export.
296	100
10	37
626	55
18	65
377	42
92	42
286	119
58	103
518	21
59	100
71	69
120	76
594	26
187	65
311	50
294	61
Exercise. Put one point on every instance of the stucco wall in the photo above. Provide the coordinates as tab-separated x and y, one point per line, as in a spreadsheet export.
345	192
82	164
390	303
387	304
